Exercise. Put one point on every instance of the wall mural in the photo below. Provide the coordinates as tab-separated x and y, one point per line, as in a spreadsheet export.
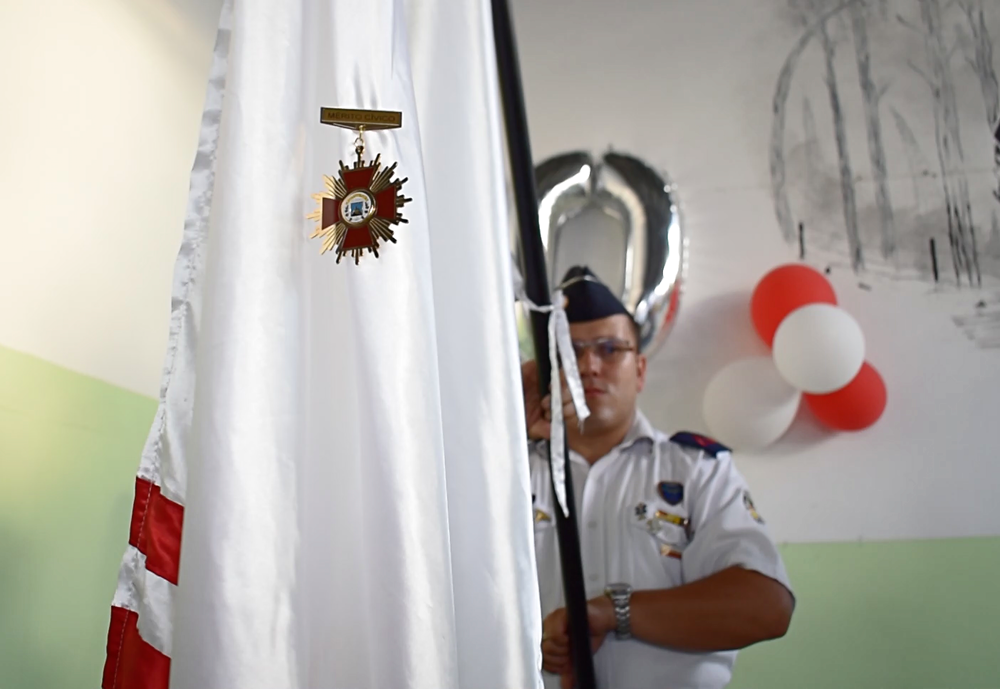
885	147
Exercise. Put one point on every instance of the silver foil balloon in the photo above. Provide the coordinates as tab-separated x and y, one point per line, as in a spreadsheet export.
619	217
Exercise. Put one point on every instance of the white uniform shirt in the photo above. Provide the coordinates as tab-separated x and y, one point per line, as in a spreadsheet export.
631	510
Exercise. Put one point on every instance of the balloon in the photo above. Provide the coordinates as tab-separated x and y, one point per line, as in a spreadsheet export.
783	290
854	407
748	405
819	348
644	245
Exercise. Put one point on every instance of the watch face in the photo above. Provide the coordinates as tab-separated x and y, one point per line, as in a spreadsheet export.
619	590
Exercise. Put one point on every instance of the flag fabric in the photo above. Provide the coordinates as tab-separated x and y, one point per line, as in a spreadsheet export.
335	490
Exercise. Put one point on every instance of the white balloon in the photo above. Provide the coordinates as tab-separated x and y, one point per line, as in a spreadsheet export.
748	405
819	348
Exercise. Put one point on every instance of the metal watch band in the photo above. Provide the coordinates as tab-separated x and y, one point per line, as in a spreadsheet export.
620	595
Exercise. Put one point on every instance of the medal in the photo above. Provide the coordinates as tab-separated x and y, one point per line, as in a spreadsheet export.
356	209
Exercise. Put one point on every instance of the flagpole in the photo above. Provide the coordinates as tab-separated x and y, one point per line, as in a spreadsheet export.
537	288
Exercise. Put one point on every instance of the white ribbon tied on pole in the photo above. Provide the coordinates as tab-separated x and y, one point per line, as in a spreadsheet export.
560	346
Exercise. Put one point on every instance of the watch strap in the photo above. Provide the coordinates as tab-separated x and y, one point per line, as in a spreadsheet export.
620	595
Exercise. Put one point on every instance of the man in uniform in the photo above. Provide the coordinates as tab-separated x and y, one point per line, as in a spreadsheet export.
679	568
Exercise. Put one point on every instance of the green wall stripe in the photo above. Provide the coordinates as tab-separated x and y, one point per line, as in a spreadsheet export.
36	388
69	450
900	614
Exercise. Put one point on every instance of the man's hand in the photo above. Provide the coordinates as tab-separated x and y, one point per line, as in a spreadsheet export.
556	652
534	413
537	409
555	643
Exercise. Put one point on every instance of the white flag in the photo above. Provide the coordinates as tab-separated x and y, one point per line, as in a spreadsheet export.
343	444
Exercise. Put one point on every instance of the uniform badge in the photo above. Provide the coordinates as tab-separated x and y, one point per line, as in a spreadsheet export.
358	207
671	491
640	510
541	516
709	446
748	503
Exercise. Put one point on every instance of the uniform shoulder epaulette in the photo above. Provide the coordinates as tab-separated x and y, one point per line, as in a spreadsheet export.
711	447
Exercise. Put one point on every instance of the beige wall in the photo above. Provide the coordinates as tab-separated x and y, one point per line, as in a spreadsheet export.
98	128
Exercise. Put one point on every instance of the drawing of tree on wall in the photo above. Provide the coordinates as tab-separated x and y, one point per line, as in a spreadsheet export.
816	17
981	61
947	127
872	58
979	56
861	14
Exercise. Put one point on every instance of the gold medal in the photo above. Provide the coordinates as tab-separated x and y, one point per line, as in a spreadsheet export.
357	208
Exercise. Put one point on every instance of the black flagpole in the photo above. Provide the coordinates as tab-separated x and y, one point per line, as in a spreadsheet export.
537	288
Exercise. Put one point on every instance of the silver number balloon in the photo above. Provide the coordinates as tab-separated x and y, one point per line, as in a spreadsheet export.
637	245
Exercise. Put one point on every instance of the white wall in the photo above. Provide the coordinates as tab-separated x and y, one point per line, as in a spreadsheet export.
101	104
688	86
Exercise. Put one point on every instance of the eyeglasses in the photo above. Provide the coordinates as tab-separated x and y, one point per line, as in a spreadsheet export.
608	349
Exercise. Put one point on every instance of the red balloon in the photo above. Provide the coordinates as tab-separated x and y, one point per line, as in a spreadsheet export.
856	406
783	290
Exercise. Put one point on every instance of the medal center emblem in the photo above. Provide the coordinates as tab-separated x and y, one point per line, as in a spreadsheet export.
357	208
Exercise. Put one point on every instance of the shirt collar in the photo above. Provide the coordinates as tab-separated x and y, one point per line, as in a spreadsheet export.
641	429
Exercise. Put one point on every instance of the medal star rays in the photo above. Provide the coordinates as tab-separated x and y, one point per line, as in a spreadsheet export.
376	220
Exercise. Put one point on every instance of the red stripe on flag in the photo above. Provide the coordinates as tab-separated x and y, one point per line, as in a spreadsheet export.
163	537
131	662
156	529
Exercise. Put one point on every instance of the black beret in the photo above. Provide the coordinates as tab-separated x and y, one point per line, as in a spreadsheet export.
589	299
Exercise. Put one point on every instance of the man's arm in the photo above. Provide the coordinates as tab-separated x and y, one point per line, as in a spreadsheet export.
737	595
726	611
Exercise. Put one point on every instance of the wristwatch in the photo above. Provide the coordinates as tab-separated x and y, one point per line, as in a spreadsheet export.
620	594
